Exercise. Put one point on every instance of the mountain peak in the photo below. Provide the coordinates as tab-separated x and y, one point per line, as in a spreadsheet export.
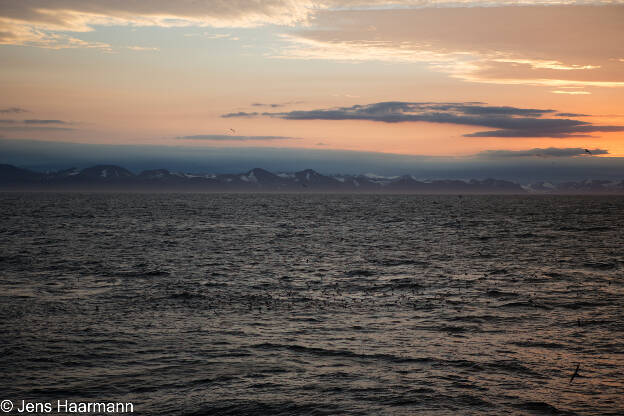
105	172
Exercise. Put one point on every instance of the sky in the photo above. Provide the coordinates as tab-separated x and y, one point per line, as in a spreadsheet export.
437	83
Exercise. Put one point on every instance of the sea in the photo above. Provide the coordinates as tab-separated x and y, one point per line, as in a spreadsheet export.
314	304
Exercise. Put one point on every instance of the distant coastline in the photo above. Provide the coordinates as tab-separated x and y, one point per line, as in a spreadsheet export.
119	179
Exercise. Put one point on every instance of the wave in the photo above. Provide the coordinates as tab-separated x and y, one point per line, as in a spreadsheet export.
542	408
507	366
600	266
360	272
537	344
339	353
525	304
253	408
142	273
399	262
495	293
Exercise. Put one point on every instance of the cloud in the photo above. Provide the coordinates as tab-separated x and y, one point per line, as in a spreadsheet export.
240	114
553	130
38	121
552	47
543	153
38	22
545	64
276	105
220	36
538	46
35	128
143	48
571	92
508	121
571	115
217	35
33	124
12	110
306	46
224	137
14	32
45	23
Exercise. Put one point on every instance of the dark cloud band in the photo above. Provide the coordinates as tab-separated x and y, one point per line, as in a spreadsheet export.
506	120
548	152
240	114
38	121
12	110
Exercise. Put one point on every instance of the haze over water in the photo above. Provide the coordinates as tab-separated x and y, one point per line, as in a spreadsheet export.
314	304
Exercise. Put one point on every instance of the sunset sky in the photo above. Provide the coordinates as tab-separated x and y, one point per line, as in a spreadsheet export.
410	77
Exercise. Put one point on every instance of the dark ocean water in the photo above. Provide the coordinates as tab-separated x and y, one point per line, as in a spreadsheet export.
314	304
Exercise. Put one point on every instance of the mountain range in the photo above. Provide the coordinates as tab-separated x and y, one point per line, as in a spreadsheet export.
116	178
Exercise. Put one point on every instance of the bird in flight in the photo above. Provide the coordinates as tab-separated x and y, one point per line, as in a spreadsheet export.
231	131
575	373
588	152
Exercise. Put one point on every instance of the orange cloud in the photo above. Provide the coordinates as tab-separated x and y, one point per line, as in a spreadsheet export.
542	46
